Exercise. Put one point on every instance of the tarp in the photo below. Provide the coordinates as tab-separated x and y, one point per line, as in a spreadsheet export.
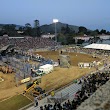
98	46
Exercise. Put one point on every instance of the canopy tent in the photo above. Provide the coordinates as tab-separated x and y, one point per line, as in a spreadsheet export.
98	46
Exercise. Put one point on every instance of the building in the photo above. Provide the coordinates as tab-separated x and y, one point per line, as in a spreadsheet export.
104	36
85	38
48	36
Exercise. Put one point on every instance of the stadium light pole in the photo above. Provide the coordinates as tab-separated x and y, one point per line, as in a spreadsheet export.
55	21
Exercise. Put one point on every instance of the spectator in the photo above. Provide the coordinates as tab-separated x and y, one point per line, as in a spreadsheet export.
36	101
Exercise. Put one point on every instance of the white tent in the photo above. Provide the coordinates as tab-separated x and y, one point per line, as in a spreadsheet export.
98	46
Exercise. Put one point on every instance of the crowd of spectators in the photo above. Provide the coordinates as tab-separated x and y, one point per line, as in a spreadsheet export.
89	51
27	42
38	42
90	83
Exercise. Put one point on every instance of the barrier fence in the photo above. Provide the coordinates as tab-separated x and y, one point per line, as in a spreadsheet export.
58	99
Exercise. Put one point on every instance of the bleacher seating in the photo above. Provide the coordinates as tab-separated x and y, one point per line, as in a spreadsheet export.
28	42
90	84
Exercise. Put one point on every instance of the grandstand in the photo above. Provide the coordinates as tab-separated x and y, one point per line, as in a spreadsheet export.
27	42
70	93
78	93
71	90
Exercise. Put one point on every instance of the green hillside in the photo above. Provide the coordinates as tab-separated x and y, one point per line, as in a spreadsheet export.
51	27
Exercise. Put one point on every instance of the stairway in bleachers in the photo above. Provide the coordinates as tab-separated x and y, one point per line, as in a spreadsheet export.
71	89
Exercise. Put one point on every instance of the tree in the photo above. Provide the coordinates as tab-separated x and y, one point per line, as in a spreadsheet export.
94	33
82	30
20	29
36	30
97	31
1	33
63	29
108	33
80	41
103	31
27	25
70	40
61	38
67	29
28	29
36	23
10	29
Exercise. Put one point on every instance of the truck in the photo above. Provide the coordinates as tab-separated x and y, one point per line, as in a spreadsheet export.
45	69
31	85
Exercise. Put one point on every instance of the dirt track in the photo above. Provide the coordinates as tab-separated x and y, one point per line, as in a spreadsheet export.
75	58
8	87
62	76
58	78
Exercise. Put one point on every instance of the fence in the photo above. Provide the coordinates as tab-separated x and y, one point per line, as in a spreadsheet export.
58	99
20	67
40	97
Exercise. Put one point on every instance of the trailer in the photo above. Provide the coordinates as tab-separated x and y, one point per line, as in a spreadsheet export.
45	69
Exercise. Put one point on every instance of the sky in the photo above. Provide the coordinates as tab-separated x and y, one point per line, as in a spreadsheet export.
93	14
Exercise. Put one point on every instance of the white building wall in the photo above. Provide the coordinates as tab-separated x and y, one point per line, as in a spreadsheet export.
104	36
48	36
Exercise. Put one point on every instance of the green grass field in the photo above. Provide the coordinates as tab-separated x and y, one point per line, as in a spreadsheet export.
14	103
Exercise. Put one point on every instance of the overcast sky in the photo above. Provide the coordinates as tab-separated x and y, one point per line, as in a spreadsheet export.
92	14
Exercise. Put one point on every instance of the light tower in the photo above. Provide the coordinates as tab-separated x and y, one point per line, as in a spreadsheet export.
55	21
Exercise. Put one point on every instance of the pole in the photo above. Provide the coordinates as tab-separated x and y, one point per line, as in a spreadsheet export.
55	33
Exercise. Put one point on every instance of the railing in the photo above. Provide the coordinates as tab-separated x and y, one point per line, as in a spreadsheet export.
59	99
44	94
27	106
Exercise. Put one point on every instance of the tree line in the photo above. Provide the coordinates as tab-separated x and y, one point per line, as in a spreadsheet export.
27	30
65	36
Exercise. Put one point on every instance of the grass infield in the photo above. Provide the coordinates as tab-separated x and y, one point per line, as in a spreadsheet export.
14	103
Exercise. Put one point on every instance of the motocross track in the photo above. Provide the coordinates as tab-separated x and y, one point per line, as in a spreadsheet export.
58	78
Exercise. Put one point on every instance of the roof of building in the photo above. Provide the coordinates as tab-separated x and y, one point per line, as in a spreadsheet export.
98	46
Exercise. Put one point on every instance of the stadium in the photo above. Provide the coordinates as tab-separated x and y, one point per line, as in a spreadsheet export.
46	74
